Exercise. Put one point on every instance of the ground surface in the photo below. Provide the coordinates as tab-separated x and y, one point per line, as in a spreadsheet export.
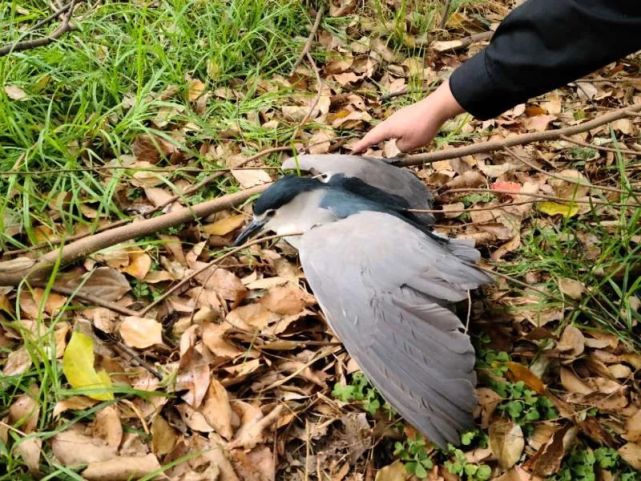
234	375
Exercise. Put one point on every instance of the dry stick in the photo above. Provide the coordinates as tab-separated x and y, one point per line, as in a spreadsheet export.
600	147
310	39
319	92
88	245
566	179
64	27
540	196
94	300
212	263
134	356
172	199
453	45
523	139
446	14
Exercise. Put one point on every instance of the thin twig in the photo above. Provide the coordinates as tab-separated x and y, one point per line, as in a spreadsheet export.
446	14
578	182
122	348
64	27
600	147
310	39
523	139
453	45
540	196
319	92
89	298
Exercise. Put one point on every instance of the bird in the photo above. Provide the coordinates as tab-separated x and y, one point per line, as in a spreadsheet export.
386	285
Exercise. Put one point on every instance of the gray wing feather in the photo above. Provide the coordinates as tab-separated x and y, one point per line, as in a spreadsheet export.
375	172
384	287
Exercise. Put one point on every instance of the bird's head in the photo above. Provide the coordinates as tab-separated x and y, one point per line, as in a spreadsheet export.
285	207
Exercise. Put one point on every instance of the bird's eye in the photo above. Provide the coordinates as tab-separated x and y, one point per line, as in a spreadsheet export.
270	213
325	177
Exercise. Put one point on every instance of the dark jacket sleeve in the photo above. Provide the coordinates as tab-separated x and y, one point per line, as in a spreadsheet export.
542	45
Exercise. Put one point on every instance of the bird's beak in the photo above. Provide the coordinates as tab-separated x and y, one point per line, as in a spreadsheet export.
253	227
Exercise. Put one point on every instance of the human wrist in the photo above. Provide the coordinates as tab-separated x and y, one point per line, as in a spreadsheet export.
441	105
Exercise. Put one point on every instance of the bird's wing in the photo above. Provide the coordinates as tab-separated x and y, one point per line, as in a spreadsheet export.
384	287
375	172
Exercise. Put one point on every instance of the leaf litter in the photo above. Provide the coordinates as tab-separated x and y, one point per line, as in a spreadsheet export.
248	365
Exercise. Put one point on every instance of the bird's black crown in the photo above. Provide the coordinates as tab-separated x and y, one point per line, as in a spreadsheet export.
283	191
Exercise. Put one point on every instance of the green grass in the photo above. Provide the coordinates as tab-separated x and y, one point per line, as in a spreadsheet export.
91	94
610	270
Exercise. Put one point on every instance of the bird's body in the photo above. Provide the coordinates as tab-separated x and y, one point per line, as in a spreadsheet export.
385	284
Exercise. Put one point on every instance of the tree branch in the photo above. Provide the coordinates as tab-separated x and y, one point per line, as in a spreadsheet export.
523	139
310	38
83	247
64	27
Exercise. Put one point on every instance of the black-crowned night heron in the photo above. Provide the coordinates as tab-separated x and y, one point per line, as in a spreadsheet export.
385	284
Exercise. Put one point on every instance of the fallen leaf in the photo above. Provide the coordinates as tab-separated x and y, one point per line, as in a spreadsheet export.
195	88
139	265
17	362
633	427
286	300
77	365
77	403
252	431
163	436
572	341
251	177
224	226
140	332
522	373
107	426
14	92
547	460
507	442
217	410
631	454
571	287
104	282
512	187
554	208
121	468
72	448
29	450
24	412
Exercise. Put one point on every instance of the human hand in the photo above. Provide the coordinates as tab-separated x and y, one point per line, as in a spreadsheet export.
415	125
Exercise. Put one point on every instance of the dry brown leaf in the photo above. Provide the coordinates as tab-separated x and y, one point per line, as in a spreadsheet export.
286	300
547	460
139	265
572	341
214	338
633	427
158	196
121	468
29	450
104	282
572	383
631	454
225	225
226	284
571	287
193	376
107	426
253	427
320	142
75	403
163	436
24	412
255	465
72	448
251	177
140	332
18	361
538	123
520	372
195	88
507	442
252	316
217	410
